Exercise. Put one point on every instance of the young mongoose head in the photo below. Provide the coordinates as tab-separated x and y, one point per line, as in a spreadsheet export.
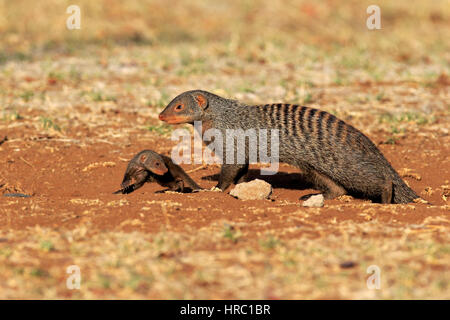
186	108
140	169
151	161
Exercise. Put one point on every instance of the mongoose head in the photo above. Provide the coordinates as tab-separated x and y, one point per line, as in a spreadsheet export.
152	161
140	170
186	107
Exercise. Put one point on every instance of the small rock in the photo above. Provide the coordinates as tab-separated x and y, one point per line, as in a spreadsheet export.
253	190
314	201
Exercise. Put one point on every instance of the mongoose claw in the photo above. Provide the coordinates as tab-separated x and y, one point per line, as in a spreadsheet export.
125	190
128	189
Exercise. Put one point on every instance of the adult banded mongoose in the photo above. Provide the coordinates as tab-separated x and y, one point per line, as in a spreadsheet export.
149	166
334	156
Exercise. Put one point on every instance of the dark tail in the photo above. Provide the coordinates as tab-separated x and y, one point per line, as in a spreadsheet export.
402	193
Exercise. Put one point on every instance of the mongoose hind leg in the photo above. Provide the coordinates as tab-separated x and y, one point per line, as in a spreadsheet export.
178	186
189	183
231	173
329	188
386	193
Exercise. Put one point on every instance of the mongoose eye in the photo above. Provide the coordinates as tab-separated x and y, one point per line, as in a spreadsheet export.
179	107
157	164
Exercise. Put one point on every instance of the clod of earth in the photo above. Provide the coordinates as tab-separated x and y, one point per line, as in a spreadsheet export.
348	264
254	190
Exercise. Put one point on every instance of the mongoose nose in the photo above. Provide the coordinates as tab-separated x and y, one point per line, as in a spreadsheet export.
161	117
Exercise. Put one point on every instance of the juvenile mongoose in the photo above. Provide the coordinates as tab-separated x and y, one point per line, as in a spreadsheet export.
149	166
334	156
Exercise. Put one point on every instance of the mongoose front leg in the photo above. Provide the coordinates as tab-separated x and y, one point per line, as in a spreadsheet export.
242	175
231	173
386	194
190	183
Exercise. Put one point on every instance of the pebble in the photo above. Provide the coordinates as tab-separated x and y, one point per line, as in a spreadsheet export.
254	190
316	201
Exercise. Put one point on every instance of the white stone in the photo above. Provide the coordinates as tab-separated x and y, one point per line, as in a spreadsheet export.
316	201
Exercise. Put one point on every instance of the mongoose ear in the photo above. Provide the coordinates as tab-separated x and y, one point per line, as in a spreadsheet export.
201	100
142	158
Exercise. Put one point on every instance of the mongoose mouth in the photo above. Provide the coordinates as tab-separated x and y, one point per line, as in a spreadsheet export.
174	119
159	172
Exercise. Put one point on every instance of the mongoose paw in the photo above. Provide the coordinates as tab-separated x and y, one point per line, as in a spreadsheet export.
125	190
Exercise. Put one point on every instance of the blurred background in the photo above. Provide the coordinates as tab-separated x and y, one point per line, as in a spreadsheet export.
410	29
251	49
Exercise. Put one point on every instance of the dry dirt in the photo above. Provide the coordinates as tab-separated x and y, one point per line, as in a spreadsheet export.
66	178
72	212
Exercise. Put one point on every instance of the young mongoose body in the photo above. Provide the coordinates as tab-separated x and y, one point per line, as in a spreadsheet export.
334	156
149	166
